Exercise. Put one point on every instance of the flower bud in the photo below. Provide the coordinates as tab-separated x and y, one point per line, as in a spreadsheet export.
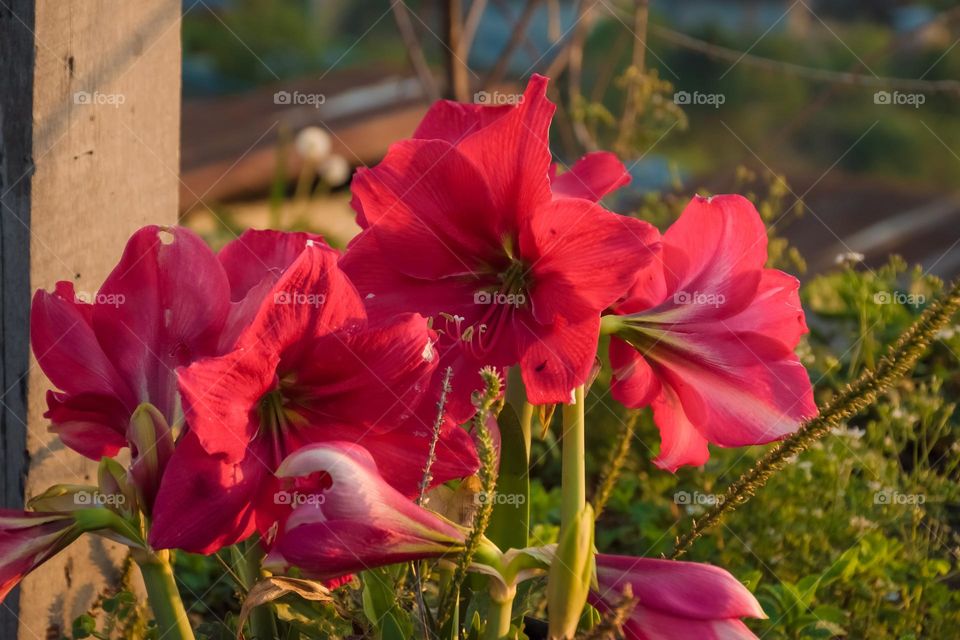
151	445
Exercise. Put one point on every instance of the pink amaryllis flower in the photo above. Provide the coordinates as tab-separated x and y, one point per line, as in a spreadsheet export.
348	518
461	220
707	337
29	539
168	302
310	367
164	305
676	600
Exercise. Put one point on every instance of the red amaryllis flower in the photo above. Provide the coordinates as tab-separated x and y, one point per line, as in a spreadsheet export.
348	518
676	600
708	335
309	368
28	539
461	220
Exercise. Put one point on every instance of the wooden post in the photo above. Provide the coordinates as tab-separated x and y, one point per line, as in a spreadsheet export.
90	116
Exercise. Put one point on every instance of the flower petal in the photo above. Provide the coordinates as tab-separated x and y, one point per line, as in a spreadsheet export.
205	502
634	384
557	358
682	589
172	301
453	121
261	255
514	154
592	177
583	258
416	212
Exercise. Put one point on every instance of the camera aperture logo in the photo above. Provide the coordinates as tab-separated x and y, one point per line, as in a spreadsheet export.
515	499
295	499
300	298
497	99
899	297
499	297
96	98
898	98
106	299
699	298
686	498
895	497
697	98
97	499
298	98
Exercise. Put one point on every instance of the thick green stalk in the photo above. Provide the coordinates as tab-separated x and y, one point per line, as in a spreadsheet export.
900	360
168	610
498	619
247	560
573	490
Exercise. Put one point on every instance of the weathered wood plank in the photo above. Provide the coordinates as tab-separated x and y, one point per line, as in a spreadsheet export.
96	128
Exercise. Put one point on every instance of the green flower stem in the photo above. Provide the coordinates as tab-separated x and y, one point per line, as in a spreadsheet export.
247	560
498	619
168	610
573	491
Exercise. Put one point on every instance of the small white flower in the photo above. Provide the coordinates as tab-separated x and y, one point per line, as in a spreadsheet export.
335	170
313	144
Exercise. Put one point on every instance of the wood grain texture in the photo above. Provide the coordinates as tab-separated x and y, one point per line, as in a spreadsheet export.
99	129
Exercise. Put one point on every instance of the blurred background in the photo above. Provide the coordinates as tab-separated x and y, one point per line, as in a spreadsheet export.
838	119
852	103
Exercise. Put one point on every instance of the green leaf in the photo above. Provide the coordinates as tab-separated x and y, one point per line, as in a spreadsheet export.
510	521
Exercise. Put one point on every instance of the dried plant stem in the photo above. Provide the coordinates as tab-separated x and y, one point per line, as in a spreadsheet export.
611	625
618	456
641	12
414	51
437	427
900	359
517	35
486	407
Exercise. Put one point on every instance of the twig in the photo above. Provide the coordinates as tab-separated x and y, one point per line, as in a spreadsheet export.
470	26
618	455
575	74
811	73
641	12
900	359
414	50
458	85
518	34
